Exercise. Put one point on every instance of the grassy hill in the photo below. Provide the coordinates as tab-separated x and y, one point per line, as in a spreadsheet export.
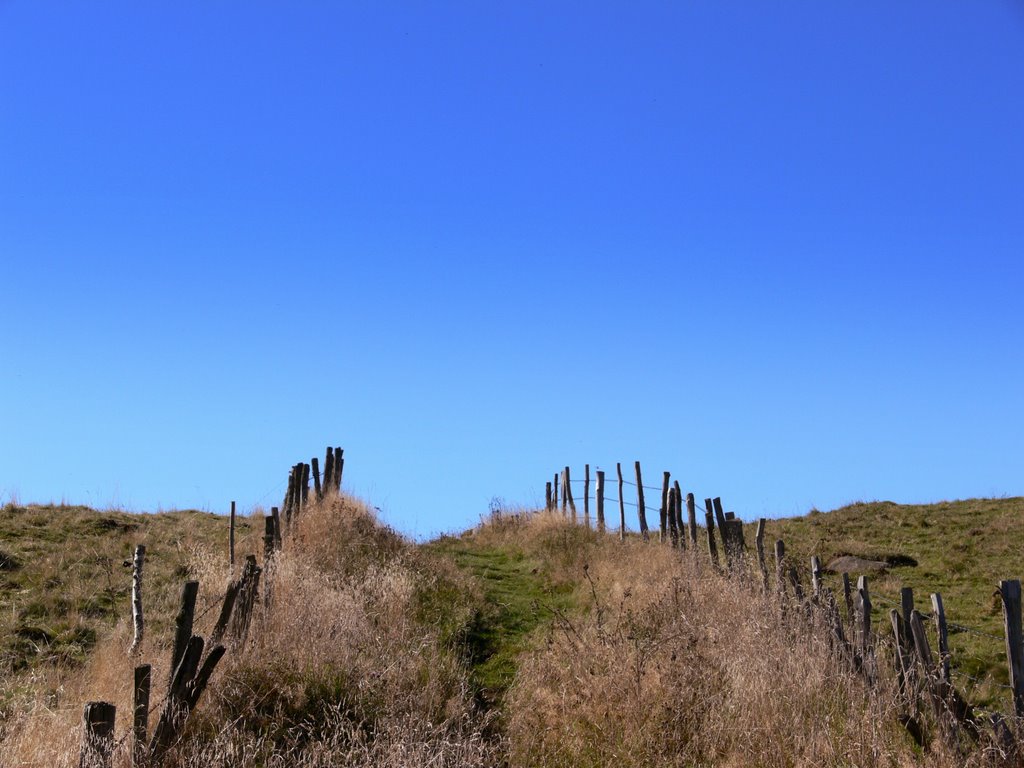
524	641
960	549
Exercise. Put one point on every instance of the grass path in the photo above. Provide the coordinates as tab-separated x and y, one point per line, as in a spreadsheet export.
518	600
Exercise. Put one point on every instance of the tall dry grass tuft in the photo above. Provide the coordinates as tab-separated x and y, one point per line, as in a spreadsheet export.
350	660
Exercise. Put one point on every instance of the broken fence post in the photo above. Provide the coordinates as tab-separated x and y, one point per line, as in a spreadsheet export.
97	735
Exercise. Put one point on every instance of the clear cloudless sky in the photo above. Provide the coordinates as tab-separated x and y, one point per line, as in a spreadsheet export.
773	248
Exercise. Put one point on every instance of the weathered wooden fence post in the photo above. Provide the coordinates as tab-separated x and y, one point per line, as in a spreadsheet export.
231	538
759	544
780	566
275	516
622	505
586	495
140	712
641	510
98	735
305	485
183	622
329	470
680	525
565	494
1009	592
555	496
568	494
816	577
709	521
906	608
317	490
863	628
339	468
673	529
269	538
138	623
942	634
663	512
547	496
848	597
600	501
691	513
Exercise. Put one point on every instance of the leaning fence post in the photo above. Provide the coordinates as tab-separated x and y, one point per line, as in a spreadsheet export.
586	495
140	707
600	501
942	633
183	623
1009	591
315	465
641	510
98	735
622	505
138	622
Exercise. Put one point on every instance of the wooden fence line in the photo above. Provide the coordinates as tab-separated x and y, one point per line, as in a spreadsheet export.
924	676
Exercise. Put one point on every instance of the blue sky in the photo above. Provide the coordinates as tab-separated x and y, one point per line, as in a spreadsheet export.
775	249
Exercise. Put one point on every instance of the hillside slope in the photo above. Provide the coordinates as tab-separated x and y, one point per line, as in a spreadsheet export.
526	641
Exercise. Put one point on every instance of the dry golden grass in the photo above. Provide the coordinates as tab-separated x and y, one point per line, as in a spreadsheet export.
347	663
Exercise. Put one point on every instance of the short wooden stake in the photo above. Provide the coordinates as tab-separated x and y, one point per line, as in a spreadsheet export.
641	510
600	501
140	710
98	735
1009	592
622	504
